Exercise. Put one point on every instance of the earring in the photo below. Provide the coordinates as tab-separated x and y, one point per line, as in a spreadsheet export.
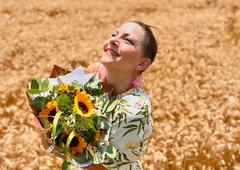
138	82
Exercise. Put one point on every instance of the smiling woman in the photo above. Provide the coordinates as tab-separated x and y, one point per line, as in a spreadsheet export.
126	54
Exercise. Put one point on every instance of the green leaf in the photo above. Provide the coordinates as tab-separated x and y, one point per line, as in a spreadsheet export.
131	126
126	110
33	91
112	106
34	84
55	89
69	139
135	153
39	102
59	130
80	158
54	128
101	98
65	165
111	151
125	157
105	106
104	125
45	84
102	147
39	80
76	84
43	122
136	120
119	120
130	130
139	128
51	87
97	157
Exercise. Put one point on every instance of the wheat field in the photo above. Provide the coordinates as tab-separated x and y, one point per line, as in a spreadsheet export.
194	83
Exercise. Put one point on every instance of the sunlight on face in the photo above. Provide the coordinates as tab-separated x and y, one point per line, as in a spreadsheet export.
123	50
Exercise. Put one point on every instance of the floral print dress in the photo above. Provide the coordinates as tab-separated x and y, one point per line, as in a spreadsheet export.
132	124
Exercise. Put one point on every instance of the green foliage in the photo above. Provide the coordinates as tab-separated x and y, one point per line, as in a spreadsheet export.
106	104
93	88
111	151
55	123
34	91
66	120
38	85
66	165
75	84
44	85
101	122
112	106
69	140
129	130
34	84
86	128
39	102
45	124
65	103
81	158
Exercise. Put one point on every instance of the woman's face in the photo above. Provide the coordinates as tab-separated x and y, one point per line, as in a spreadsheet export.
123	50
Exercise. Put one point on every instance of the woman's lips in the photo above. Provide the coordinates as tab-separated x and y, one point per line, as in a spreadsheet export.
112	52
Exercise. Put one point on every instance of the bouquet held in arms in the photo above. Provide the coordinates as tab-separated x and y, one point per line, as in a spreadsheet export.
73	111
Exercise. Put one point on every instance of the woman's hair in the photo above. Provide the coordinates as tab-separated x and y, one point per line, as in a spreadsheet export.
149	43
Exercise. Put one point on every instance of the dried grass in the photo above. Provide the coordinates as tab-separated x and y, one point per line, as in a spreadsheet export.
194	83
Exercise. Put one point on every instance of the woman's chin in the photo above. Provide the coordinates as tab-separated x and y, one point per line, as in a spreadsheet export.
107	59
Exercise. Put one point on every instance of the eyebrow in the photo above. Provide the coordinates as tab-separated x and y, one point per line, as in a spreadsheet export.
127	34
134	40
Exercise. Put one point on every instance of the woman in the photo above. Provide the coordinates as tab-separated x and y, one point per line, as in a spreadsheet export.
126	54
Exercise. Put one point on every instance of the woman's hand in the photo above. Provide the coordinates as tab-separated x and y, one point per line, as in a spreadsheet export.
46	143
42	133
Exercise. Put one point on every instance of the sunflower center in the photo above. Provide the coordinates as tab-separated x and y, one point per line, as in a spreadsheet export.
74	142
83	107
51	115
65	139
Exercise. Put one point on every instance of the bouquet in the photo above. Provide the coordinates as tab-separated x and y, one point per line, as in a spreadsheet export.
73	111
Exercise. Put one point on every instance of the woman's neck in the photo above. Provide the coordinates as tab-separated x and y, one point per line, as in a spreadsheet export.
121	81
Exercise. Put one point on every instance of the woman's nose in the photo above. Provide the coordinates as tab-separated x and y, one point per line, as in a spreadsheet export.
114	40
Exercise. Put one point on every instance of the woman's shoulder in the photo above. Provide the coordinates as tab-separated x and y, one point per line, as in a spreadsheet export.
135	99
98	68
134	93
92	68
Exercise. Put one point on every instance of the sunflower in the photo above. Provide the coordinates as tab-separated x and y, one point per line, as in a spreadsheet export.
77	145
99	135
49	111
63	87
83	105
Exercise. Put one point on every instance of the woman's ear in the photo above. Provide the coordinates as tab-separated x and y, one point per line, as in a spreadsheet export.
144	64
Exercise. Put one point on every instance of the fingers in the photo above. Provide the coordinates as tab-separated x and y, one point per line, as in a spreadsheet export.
37	124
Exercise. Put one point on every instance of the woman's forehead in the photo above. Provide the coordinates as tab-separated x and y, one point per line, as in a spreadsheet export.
133	29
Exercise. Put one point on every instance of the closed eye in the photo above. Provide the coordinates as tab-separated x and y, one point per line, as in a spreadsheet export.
125	37
129	40
114	34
